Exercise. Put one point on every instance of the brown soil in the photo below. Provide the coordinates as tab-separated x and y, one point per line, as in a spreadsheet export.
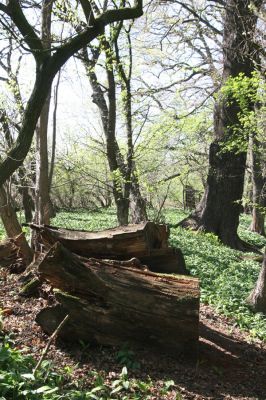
230	365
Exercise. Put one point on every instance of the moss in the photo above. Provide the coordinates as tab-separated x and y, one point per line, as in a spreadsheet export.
31	288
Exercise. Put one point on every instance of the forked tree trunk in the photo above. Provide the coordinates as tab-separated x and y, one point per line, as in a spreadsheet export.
257	298
114	304
220	210
13	227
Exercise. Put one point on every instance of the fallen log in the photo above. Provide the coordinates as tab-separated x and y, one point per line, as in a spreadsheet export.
165	261
131	240
113	304
147	241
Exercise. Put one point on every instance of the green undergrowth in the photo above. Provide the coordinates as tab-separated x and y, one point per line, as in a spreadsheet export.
19	382
97	220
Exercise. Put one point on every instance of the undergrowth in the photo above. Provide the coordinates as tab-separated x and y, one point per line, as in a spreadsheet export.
19	382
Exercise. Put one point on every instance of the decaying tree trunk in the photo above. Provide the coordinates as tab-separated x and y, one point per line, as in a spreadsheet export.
113	303
12	226
131	240
8	253
257	298
146	241
11	254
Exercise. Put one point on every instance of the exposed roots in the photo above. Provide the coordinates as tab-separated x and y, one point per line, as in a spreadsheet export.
193	222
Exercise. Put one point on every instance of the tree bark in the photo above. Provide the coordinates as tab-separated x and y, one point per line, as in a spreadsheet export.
8	253
110	304
12	226
125	241
219	211
43	209
257	298
258	170
146	241
137	203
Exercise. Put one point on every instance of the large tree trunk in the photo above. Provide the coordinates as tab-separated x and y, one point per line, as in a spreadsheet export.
220	210
257	298
13	227
110	303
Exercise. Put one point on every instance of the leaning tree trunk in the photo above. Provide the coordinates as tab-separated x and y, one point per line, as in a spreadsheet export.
12	226
257	298
220	210
112	303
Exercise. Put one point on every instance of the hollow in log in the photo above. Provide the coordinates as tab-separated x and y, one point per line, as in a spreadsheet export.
129	241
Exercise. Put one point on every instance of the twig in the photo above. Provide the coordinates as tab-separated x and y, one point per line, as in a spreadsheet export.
45	351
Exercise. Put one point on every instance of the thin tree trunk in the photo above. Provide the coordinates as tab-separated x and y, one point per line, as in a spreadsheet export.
137	203
108	118
56	89
257	298
43	201
259	188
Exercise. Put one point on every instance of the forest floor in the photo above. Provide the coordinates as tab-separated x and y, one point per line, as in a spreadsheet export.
229	366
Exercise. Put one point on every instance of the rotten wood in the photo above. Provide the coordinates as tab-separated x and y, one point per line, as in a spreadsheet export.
147	241
131	240
112	304
12	254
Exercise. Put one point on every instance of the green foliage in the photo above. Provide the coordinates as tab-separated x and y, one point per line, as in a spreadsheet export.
19	383
127	357
246	93
98	220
